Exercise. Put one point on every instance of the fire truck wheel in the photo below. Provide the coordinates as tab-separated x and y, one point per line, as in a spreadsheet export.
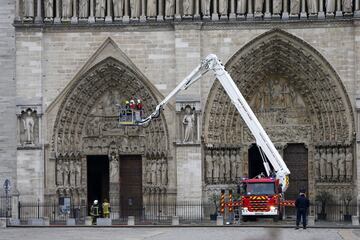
276	218
244	219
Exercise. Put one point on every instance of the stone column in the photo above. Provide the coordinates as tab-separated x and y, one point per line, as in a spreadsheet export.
38	18
232	15
197	9
114	188
338	9
126	17
267	10
74	18
108	18
303	13
250	13
177	10
215	14
357	155
357	8
91	17
143	11
57	16
160	16
285	14
321	13
17	11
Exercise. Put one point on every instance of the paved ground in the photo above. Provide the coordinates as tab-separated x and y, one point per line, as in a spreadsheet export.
187	233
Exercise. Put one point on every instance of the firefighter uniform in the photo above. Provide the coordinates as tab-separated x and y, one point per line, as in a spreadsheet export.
94	212
106	209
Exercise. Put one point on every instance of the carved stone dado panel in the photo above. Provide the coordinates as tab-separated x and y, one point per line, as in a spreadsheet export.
87	124
297	97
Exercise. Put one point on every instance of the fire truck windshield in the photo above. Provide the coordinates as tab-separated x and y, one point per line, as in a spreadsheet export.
260	188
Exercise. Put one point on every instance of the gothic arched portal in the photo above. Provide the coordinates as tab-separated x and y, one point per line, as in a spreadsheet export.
298	98
86	128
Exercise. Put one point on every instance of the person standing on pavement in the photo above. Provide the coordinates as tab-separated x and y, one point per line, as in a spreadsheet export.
302	204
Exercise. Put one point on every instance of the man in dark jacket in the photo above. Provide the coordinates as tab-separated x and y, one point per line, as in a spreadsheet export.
302	204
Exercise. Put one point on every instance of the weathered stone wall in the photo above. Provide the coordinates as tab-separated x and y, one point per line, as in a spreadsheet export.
7	94
48	60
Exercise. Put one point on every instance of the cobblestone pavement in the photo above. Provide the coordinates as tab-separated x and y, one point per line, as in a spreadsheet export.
196	233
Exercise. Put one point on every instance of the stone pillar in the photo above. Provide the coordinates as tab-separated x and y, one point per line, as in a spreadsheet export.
197	9
303	13
321	13
38	18
177	10
285	14
57	16
74	19
108	18
338	9
357	8
17	11
267	10
143	11
250	13
215	14
91	17
160	16
357	159
232	15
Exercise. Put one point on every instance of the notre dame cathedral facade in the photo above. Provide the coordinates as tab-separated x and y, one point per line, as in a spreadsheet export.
66	64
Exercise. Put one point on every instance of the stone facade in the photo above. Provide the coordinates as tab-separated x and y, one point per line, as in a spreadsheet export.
300	78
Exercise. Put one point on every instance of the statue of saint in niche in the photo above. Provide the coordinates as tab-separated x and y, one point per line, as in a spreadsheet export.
28	122
188	121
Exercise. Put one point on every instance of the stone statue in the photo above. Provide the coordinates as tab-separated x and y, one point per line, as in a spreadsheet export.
330	6
84	8
347	6
188	6
153	172
335	164
241	7
66	9
114	168
151	8
72	173
328	163
238	165
294	7
100	8
259	6
158	172
205	7
78	172
66	173
28	8
49	9
148	171
188	121
277	7
341	164
317	164
216	158
227	165
135	8
28	122
221	167
59	173
118	6
312	7
164	171
348	164
233	164
322	164
169	7
209	166
223	7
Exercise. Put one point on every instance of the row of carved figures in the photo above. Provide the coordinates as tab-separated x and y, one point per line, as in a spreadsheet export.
124	10
156	172
68	172
222	165
333	164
